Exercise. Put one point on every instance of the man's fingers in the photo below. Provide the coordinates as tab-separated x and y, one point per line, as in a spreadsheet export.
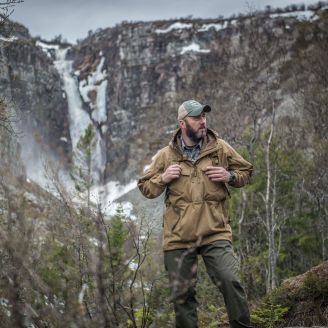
175	171
172	172
215	169
175	166
174	176
215	173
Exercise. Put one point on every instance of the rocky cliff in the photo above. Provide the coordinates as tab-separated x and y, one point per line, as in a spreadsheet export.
31	87
130	79
152	67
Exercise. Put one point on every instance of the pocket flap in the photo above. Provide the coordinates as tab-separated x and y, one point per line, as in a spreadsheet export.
185	171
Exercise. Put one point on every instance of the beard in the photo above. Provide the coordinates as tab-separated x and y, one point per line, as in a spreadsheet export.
195	135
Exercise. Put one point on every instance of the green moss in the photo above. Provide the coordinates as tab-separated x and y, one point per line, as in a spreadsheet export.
313	287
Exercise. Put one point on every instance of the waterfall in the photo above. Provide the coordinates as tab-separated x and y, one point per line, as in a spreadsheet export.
102	194
79	119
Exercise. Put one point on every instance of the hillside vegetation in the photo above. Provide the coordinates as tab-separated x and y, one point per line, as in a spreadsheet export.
64	263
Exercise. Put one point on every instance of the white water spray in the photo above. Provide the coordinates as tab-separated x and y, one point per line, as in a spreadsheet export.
79	120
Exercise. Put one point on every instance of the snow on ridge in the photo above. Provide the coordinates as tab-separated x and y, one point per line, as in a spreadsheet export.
96	82
174	26
45	47
300	15
217	27
195	48
11	39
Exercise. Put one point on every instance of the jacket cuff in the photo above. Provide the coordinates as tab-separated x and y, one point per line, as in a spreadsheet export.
233	178
159	181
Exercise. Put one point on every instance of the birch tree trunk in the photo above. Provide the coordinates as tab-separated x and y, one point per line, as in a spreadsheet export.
269	200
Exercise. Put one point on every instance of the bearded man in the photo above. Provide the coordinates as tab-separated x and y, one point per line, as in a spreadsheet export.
194	170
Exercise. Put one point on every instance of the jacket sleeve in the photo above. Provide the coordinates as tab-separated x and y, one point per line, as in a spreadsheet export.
151	184
238	165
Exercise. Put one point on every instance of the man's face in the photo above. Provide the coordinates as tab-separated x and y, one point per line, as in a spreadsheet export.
195	127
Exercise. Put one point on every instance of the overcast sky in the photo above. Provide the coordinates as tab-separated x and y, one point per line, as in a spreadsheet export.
74	18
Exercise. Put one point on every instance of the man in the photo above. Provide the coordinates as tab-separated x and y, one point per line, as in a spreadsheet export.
194	170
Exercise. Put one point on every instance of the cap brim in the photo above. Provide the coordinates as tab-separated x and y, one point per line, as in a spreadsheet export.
207	108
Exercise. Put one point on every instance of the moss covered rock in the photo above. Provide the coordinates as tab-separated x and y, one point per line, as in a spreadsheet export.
305	296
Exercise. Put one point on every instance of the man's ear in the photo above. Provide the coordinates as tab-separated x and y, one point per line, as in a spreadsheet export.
182	124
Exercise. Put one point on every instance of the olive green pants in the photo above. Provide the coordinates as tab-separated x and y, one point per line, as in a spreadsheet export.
222	266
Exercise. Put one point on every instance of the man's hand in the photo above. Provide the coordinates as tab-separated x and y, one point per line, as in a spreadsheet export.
171	173
217	173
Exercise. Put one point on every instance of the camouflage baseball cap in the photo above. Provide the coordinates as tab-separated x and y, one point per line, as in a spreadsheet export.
192	108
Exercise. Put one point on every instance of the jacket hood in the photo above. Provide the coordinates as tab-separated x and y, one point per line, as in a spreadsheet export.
210	139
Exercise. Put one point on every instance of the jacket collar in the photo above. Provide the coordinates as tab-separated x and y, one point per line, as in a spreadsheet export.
209	143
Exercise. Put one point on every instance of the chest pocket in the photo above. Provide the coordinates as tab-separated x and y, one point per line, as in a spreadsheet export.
181	184
213	190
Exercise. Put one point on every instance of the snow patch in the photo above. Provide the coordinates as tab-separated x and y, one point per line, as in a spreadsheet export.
96	82
126	208
104	129
4	303
122	55
11	39
106	197
47	48
174	26
99	113
115	190
31	198
300	15
217	27
82	292
133	266
94	241
195	48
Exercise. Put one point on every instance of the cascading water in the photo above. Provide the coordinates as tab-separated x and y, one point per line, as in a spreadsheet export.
79	120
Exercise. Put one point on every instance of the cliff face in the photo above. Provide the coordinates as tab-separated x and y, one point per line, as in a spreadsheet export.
152	67
30	86
130	80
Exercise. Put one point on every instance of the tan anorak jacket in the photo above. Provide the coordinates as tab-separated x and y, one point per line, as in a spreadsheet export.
195	213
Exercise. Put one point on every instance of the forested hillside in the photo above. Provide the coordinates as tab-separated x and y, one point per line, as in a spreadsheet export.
100	109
